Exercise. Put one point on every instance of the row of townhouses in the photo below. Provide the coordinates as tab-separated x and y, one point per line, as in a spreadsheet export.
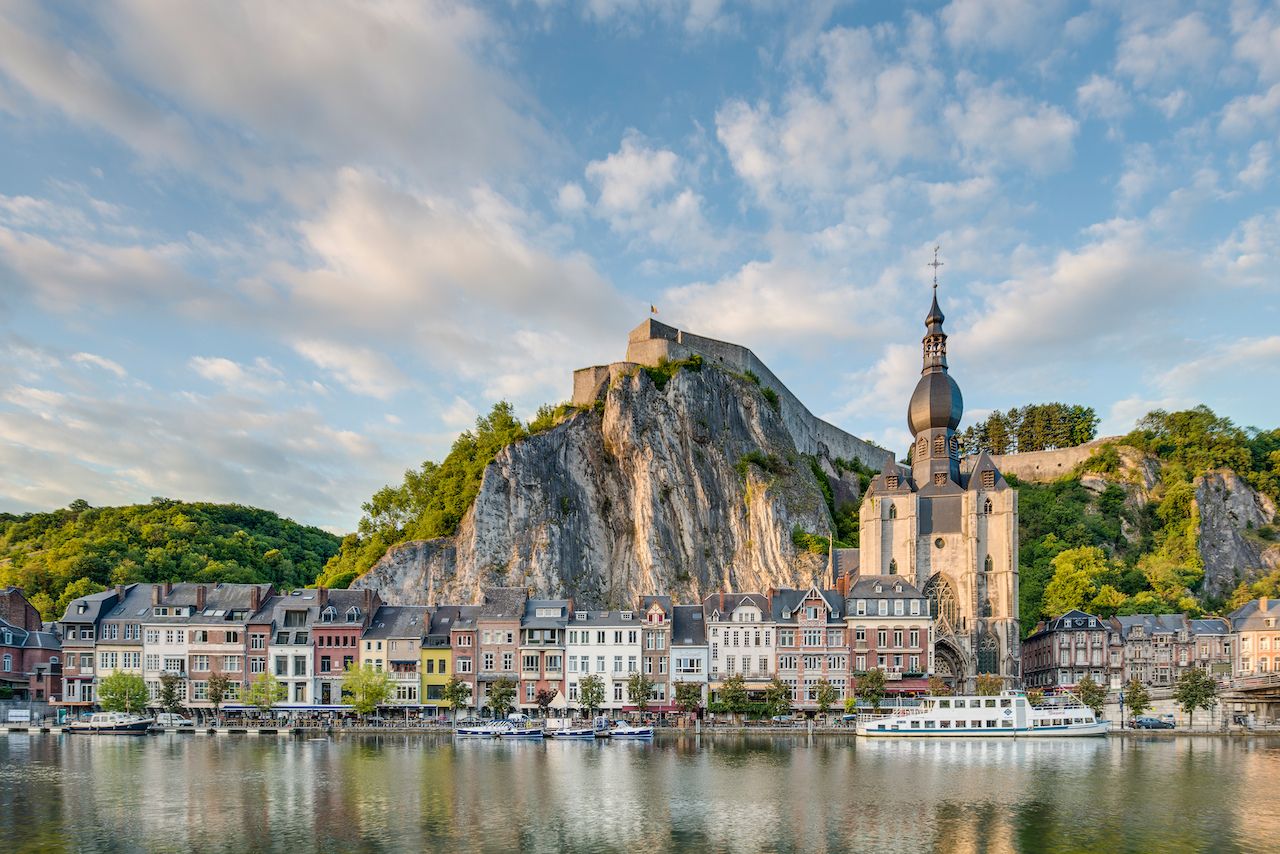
308	638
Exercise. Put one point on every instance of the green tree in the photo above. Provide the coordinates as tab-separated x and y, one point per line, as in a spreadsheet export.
219	688
826	694
74	590
938	687
777	697
457	693
989	684
122	692
1136	697
733	695
366	688
688	697
639	687
851	705
591	694
1195	689
870	687
171	693
1075	580
1091	694
265	691
6	691
502	695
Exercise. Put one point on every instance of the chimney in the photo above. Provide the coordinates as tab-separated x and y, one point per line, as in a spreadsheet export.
168	587
322	596
200	597
721	601
119	592
155	594
368	602
255	597
1262	604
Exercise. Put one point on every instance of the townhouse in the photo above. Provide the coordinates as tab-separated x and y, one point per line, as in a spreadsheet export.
890	628
1063	650
464	649
740	637
542	651
498	634
606	644
1256	626
812	643
690	655
217	639
436	658
656	614
79	630
393	644
343	616
30	656
120	640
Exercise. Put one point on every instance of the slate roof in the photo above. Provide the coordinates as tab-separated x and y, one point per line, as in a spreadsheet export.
226	598
787	602
1210	626
1152	624
399	621
688	628
95	605
135	606
865	588
845	563
1251	617
531	620
663	602
727	603
503	603
603	618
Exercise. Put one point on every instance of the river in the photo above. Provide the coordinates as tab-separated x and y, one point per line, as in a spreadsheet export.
721	793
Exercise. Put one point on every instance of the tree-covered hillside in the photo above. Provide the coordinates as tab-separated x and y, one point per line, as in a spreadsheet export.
58	556
1119	548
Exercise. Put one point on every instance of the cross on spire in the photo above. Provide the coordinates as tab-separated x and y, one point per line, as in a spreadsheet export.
935	264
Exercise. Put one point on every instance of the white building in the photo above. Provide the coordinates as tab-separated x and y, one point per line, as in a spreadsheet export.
740	639
607	644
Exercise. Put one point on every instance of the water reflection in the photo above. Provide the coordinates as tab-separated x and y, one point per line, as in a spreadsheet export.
723	793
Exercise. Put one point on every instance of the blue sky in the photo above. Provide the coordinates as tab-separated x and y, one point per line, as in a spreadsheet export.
276	253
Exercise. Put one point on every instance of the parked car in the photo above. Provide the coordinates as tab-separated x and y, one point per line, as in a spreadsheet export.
1147	722
783	719
172	721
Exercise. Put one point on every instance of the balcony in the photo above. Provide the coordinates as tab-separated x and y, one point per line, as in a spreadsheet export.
400	675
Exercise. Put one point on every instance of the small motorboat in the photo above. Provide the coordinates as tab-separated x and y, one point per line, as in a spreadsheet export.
578	732
621	730
112	723
522	732
489	730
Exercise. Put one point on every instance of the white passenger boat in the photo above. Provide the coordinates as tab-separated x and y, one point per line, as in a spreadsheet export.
112	723
1005	716
489	730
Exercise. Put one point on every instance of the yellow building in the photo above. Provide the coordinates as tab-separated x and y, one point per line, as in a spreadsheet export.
437	660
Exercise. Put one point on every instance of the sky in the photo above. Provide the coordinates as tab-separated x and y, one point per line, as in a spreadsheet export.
277	253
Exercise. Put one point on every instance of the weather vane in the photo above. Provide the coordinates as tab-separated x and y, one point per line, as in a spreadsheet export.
935	264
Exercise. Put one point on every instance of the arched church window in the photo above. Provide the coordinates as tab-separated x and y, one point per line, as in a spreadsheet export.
986	507
922	448
986	607
988	564
893	510
988	655
939	446
893	567
942	600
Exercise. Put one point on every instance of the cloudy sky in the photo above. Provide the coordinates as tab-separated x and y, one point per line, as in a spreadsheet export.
278	252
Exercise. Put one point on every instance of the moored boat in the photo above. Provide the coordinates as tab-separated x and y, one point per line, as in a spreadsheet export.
489	730
584	732
621	730
1005	716
112	723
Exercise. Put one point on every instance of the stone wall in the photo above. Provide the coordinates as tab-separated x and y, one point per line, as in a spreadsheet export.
652	341
1043	466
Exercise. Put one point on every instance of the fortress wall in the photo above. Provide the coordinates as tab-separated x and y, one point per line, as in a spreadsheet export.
652	341
588	383
1043	466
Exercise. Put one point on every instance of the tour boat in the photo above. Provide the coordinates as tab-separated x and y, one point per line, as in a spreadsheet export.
1003	716
112	723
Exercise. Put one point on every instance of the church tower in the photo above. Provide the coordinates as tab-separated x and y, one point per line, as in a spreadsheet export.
951	527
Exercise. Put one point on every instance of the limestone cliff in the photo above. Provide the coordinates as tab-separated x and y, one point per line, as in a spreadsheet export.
685	489
1231	513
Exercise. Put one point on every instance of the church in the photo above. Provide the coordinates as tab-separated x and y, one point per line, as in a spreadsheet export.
952	533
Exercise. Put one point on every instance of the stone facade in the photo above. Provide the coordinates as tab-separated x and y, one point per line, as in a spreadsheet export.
953	534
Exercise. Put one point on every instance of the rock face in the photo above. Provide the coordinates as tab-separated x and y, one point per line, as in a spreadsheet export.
649	490
1230	512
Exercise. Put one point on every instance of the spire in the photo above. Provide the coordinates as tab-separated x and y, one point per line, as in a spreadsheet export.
935	340
936	402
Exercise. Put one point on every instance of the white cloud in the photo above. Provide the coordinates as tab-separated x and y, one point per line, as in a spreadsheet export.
629	178
261	377
1256	172
1257	30
360	369
1102	97
1161	55
1000	130
102	362
999	24
1244	113
571	199
1251	254
459	414
1252	356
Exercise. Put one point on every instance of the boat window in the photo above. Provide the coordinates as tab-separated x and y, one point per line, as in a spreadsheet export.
1057	721
959	704
1005	703
946	724
944	704
990	704
991	724
915	725
1007	724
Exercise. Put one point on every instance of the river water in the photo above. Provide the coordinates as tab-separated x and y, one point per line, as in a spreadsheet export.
716	793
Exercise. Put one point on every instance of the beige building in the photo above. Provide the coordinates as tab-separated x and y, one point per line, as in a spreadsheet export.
1256	626
954	535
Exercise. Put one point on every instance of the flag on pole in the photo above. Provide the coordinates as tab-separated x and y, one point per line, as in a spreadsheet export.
653	309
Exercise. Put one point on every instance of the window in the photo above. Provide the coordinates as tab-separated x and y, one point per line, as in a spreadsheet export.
893	508
617	692
508	661
940	478
299	665
257	665
861	609
200	663
893	567
891	481
488	662
8	663
464	664
988	482
882	638
882	607
530	663
199	690
153	662
617	664
813	637
986	507
939	446
915	637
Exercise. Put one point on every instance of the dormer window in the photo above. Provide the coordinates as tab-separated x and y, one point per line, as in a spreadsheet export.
353	614
940	478
81	608
581	615
329	614
878	587
626	615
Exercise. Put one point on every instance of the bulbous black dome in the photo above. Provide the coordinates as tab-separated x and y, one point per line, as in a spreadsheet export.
935	403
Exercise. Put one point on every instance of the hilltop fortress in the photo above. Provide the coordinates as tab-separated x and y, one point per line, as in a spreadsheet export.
652	342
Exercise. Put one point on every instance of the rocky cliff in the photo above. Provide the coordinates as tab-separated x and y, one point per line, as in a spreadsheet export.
1231	515
686	489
